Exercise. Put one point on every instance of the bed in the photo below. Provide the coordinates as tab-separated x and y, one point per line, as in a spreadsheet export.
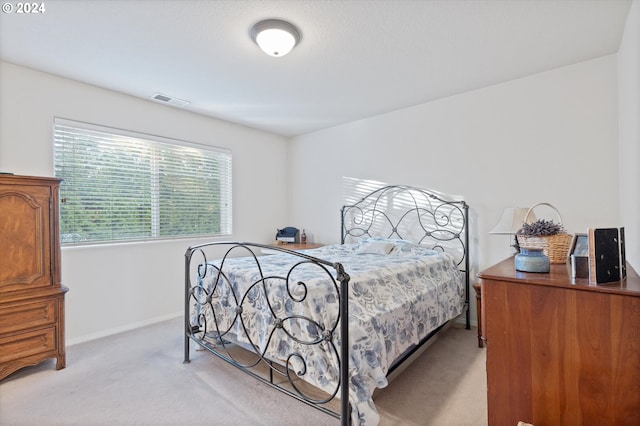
399	275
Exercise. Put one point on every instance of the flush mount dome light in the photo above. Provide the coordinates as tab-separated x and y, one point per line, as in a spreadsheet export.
275	37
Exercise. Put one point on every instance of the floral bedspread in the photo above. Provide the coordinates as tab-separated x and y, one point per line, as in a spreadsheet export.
398	293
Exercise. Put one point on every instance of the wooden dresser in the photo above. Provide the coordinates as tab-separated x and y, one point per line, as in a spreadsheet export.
31	294
561	351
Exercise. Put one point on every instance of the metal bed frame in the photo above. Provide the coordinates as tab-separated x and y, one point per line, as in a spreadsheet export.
395	211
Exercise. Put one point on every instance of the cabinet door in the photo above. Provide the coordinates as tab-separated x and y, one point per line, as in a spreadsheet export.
559	356
25	242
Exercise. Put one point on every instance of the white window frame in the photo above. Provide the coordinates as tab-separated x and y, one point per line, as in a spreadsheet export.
122	139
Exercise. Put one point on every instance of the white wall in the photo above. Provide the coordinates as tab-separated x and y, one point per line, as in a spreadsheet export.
550	137
116	287
629	111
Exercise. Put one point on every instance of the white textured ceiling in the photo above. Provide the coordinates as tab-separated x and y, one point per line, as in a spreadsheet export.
356	59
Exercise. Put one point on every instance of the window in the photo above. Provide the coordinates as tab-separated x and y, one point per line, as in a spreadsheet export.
121	186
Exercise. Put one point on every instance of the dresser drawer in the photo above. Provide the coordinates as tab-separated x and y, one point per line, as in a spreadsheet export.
26	344
27	316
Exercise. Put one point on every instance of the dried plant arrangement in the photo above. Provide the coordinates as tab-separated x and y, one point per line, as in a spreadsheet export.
541	227
547	235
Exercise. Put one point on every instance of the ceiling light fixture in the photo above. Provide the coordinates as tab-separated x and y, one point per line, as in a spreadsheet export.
275	37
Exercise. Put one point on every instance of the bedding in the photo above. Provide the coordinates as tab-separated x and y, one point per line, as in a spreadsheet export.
399	292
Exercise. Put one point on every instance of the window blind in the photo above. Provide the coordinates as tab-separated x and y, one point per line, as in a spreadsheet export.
124	186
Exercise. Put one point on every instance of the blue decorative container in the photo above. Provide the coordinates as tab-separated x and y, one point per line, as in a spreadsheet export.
531	260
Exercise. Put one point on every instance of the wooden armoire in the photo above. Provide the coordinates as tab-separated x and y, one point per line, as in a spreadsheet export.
31	293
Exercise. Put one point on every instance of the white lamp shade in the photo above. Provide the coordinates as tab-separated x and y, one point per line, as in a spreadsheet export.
512	220
275	37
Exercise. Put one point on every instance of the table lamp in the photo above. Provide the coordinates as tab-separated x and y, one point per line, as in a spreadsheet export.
511	222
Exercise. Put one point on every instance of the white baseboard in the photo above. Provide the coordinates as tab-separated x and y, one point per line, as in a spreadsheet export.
128	327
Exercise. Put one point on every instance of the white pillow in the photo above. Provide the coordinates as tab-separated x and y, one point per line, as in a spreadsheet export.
375	247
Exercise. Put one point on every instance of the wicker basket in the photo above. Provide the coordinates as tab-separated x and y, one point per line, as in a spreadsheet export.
555	247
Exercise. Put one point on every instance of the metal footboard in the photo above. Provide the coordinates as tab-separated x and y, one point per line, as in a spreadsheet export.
217	317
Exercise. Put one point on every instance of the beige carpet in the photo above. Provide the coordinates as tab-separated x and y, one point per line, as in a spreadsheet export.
137	378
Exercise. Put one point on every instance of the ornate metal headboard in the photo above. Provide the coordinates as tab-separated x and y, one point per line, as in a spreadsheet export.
409	213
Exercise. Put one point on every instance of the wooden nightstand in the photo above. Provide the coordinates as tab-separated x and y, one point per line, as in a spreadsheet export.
298	246
478	288
291	246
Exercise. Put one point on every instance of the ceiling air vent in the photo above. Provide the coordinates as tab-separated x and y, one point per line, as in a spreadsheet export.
169	100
